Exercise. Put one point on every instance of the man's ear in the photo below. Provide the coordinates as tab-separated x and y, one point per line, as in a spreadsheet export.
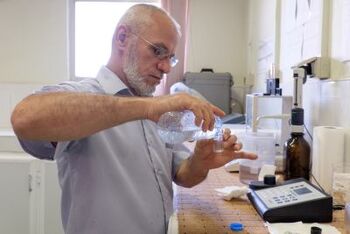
121	36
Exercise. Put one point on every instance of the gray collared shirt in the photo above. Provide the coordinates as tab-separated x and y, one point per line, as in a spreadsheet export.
118	180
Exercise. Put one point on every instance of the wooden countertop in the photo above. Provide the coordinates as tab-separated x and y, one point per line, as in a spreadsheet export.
201	210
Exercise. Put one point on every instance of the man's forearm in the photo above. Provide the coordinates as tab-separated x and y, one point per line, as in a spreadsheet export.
67	116
63	116
189	175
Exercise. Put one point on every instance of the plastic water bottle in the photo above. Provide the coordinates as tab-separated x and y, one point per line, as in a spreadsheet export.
178	127
180	87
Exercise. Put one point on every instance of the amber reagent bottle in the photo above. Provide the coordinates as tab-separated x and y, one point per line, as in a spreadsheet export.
297	149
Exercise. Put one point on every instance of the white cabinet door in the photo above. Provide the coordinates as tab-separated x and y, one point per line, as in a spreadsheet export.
17	209
51	216
29	195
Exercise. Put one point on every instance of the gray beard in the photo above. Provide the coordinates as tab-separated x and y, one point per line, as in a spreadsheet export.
135	80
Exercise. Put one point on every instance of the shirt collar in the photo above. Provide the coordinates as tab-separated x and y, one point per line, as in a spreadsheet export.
109	81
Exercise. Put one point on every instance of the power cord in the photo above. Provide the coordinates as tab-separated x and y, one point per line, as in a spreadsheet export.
308	132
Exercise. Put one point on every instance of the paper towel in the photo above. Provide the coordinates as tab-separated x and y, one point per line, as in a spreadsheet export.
327	150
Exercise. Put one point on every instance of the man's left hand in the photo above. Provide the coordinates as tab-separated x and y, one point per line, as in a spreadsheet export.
204	157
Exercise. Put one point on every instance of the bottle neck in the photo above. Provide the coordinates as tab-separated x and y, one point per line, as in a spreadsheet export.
297	129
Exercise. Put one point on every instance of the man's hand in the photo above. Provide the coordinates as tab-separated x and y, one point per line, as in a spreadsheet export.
204	158
194	170
203	110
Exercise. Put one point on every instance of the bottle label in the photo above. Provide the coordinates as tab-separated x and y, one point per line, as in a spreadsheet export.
297	128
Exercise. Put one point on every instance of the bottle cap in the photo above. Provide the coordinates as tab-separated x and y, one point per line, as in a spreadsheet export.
270	179
297	117
315	230
236	226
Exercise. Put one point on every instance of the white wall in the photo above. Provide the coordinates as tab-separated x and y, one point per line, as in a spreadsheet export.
33	45
10	95
33	41
339	70
261	38
218	40
218	31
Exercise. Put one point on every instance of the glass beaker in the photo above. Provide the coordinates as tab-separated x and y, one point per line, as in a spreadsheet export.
263	144
341	183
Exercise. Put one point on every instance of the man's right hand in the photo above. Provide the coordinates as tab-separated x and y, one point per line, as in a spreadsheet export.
203	110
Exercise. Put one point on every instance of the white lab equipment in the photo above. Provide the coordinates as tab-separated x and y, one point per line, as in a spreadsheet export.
282	106
313	67
294	200
263	144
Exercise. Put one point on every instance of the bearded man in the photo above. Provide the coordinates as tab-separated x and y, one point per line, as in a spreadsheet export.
115	172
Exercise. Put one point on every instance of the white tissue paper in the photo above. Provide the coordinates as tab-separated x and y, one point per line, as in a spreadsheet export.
229	192
299	227
232	166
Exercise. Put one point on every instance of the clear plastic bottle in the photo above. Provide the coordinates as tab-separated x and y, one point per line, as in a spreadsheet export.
178	127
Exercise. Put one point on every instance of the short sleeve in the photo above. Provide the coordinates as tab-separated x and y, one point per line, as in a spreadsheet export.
72	86
39	149
43	149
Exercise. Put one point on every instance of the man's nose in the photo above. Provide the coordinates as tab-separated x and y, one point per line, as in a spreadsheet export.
164	66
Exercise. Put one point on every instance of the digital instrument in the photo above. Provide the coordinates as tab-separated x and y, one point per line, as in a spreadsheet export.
294	200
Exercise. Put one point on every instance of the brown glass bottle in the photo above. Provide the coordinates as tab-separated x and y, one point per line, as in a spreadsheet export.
297	149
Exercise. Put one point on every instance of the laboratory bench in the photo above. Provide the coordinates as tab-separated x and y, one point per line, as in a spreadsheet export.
201	210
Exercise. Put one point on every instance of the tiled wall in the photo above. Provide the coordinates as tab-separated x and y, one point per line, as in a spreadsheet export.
327	103
336	97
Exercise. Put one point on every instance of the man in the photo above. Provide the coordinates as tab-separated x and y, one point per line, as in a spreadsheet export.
115	173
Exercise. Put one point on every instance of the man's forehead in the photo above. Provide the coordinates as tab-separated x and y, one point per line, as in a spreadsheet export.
164	22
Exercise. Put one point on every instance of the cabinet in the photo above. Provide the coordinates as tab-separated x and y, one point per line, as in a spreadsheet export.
29	195
215	87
